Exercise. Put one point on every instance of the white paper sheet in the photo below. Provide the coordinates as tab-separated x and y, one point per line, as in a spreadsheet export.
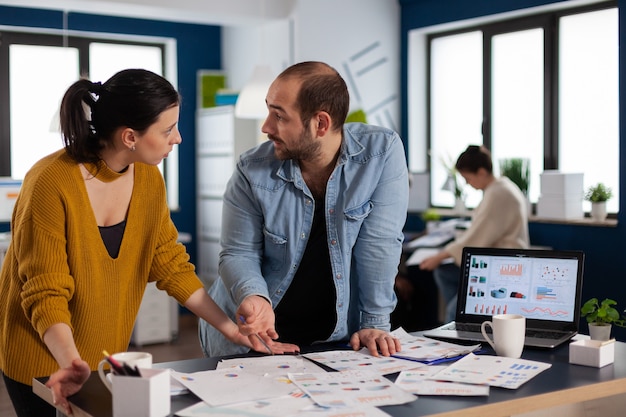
346	360
277	365
424	349
496	371
233	385
416	381
350	389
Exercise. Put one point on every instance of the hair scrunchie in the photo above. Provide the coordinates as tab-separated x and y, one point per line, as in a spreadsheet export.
96	88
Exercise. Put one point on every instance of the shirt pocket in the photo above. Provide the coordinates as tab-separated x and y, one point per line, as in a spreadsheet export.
275	250
354	219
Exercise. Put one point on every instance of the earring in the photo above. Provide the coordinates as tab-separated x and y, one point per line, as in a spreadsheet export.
132	148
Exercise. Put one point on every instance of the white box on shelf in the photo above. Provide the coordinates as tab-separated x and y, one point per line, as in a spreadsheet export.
594	353
554	182
560	207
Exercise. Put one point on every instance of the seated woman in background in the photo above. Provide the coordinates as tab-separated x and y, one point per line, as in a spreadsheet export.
499	221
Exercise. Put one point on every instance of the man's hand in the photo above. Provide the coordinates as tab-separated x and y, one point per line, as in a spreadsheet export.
255	315
68	381
375	341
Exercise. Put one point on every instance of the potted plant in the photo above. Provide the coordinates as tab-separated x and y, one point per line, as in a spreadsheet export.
598	195
600	316
518	171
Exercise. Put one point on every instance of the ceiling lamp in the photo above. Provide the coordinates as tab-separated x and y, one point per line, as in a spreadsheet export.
251	100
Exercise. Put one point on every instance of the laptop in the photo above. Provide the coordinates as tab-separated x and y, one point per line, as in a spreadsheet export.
545	286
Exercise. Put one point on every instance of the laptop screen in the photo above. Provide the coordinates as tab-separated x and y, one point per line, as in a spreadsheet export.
545	286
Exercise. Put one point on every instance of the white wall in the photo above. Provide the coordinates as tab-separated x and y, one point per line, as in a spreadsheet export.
359	38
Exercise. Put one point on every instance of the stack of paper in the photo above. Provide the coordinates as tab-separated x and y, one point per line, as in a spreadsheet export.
427	350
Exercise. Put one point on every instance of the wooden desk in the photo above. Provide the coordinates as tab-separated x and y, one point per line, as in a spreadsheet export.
562	384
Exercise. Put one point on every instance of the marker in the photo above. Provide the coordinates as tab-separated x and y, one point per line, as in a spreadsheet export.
243	321
115	365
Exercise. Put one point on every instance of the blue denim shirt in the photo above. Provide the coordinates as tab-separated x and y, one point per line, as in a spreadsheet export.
268	213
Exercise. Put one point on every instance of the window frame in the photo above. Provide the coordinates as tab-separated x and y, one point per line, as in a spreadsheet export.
81	40
549	22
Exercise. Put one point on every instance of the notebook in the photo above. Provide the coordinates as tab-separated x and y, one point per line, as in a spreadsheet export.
545	286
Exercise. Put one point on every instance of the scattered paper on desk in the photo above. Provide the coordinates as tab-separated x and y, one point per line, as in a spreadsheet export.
350	388
176	388
425	349
442	234
287	405
277	365
233	385
416	381
420	254
496	371
347	360
278	407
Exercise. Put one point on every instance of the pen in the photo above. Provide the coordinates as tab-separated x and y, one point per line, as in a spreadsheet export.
115	365
243	321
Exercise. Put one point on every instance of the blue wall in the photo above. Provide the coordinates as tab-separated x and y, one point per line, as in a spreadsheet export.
198	46
604	247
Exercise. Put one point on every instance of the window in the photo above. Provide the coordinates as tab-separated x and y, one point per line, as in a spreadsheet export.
37	68
542	87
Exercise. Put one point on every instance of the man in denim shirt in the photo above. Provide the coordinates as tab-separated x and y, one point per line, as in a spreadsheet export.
312	223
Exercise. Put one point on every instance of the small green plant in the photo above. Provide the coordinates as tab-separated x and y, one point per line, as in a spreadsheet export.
602	312
431	215
518	171
598	193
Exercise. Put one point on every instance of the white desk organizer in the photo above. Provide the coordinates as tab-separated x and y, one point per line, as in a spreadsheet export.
145	396
594	353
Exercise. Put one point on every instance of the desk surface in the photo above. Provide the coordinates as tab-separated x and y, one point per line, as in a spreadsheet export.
562	384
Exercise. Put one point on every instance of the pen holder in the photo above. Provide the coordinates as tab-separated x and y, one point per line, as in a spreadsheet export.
144	396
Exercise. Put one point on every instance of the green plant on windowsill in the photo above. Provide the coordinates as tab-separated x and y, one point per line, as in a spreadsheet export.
602	313
598	193
518	171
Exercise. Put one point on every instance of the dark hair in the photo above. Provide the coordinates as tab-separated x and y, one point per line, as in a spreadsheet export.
474	158
91	112
322	89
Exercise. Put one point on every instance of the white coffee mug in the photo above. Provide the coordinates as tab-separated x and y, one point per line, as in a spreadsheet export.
508	334
132	359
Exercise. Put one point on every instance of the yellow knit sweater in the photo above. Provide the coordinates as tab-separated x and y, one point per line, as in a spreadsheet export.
57	269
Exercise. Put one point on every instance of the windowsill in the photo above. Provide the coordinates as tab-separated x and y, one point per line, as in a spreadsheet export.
586	221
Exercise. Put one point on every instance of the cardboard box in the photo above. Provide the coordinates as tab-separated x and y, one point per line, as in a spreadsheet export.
594	353
554	182
560	207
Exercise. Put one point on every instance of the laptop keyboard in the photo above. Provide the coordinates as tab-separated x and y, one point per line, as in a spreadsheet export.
473	327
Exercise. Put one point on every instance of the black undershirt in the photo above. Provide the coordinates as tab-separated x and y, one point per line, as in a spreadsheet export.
306	313
112	237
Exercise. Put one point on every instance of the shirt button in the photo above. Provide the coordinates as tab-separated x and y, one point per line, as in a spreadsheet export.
302	235
331	211
333	242
308	202
339	276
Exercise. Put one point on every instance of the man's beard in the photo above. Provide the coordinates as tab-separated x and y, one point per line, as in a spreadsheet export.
305	148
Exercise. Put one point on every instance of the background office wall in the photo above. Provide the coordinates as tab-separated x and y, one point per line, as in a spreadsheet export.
359	38
198	47
605	247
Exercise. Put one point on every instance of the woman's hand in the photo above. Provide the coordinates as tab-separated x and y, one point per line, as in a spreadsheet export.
66	382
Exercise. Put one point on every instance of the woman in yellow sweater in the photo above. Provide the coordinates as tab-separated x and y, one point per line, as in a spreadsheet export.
90	229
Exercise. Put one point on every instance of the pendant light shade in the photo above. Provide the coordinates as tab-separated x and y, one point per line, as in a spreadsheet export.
251	100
